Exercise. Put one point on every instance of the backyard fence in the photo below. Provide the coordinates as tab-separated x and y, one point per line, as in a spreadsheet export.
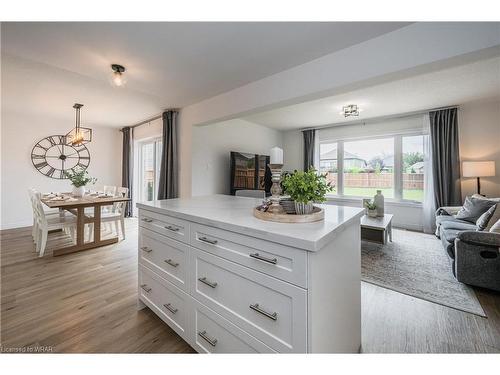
379	180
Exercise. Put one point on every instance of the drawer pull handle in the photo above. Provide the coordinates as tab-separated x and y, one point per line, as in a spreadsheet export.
264	259
147	219
146	288
211	284
173	229
207	240
203	335
273	316
146	249
169	307
171	262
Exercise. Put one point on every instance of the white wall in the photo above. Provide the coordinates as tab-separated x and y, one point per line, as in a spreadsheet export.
20	132
480	140
211	149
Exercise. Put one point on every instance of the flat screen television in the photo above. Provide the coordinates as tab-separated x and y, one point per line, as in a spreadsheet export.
250	172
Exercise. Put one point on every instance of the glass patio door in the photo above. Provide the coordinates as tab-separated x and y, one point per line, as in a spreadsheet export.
149	169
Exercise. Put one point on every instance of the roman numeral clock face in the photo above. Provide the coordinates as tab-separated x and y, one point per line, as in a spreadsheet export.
51	156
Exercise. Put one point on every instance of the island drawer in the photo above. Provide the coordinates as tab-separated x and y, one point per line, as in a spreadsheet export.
165	256
271	310
283	262
212	333
169	302
172	227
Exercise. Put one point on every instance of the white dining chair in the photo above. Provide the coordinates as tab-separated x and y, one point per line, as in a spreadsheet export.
46	223
117	216
48	212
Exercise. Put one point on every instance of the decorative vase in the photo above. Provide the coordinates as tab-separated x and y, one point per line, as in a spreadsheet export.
78	191
303	208
378	199
372	213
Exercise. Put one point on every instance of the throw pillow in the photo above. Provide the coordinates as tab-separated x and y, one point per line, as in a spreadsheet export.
494	218
473	208
485	218
496	227
479	196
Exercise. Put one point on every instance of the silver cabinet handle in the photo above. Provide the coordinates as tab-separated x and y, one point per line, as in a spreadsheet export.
207	240
171	262
172	228
147	219
264	259
203	335
169	307
146	288
146	249
273	316
211	284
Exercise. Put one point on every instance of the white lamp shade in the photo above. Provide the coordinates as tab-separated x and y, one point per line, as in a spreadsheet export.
478	168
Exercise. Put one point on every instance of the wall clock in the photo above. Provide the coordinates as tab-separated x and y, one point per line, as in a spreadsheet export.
52	156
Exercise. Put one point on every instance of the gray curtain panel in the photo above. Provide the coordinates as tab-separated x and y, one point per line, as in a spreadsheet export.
127	163
169	173
445	157
309	136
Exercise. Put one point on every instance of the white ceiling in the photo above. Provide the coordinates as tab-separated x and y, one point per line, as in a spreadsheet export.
457	85
168	64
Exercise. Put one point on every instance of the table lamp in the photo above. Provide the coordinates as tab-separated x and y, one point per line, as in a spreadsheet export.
478	169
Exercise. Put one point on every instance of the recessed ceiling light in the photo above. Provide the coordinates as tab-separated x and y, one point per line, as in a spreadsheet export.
118	78
350	110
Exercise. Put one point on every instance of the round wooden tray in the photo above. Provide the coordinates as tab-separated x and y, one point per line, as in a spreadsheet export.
317	215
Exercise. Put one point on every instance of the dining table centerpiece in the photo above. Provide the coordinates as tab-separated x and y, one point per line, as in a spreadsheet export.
79	179
305	188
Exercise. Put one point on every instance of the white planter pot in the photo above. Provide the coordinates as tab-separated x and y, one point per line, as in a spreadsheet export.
303	208
79	191
372	213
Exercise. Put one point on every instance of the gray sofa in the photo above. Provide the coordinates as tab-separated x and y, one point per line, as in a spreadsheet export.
475	254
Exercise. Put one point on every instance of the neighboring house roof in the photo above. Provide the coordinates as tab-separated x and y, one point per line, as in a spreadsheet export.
332	155
417	165
388	161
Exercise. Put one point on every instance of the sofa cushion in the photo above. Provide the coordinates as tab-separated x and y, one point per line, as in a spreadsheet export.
495	227
473	208
485	218
443	218
458	224
494	218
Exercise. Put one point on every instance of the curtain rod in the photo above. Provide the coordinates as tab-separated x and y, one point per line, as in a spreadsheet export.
378	119
150	119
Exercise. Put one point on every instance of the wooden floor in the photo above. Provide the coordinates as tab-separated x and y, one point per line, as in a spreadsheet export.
86	303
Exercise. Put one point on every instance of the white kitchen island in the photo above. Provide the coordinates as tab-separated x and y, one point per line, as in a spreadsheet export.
228	282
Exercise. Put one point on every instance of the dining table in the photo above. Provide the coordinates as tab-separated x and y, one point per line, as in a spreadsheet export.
76	206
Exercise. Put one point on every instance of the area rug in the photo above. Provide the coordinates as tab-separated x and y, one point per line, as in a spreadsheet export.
416	264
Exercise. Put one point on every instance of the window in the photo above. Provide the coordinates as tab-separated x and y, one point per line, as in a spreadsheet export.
413	168
328	163
149	166
393	164
368	167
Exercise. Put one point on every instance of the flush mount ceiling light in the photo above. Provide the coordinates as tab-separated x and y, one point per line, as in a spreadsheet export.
118	78
350	110
78	135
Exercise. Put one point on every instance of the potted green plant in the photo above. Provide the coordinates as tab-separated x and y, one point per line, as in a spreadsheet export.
79	179
371	208
305	188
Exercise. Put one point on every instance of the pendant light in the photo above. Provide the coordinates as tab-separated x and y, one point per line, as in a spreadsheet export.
118	78
78	135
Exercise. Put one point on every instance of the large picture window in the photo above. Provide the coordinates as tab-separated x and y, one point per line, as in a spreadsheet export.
393	164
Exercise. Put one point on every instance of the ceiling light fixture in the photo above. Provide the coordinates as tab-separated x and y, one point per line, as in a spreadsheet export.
350	110
118	78
78	135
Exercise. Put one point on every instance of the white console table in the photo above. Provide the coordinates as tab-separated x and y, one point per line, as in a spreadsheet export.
228	282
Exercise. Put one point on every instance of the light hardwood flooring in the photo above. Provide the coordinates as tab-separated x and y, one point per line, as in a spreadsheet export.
86	303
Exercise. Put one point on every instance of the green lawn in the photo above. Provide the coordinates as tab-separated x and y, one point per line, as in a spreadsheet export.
414	195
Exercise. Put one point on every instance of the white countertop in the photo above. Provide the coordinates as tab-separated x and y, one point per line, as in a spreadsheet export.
236	214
